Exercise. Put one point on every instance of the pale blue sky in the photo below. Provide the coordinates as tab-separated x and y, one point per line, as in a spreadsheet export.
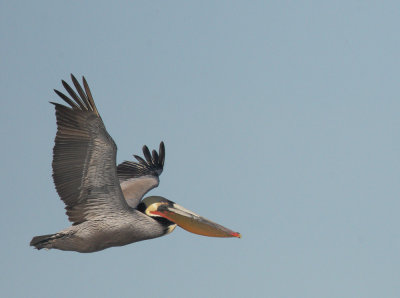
280	119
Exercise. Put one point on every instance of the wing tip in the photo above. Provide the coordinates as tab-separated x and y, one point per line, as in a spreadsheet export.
152	163
84	101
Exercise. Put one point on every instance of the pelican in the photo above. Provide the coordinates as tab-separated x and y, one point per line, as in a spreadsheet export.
105	202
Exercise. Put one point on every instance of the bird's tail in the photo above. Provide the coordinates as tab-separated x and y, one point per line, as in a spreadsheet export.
45	241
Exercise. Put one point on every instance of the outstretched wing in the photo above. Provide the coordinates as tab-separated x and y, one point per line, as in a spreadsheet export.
137	178
84	159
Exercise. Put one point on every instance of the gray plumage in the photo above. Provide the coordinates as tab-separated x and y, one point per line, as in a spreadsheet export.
86	179
136	179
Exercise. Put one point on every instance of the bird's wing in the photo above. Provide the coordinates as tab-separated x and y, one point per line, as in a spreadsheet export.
84	159
137	178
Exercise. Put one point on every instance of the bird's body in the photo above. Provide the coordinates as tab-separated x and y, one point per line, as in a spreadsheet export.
96	235
103	201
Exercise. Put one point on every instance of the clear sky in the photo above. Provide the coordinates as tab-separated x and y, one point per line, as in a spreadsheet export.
280	119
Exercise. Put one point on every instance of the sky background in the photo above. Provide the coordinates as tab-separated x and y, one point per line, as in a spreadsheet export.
280	120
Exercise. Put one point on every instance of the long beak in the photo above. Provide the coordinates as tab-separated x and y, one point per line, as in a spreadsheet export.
192	222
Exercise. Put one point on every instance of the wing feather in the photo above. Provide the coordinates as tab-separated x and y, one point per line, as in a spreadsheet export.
137	178
84	159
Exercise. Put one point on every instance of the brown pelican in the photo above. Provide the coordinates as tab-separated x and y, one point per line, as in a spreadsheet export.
103	201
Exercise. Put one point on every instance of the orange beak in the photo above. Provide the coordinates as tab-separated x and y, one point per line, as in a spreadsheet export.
192	222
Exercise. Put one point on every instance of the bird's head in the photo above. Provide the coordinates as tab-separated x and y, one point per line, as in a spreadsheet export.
172	214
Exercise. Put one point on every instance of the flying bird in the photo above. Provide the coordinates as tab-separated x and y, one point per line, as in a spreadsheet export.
104	201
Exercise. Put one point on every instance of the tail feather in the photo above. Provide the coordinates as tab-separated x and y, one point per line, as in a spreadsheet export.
44	241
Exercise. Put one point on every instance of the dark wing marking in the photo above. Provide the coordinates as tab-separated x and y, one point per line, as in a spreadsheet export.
84	159
137	178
